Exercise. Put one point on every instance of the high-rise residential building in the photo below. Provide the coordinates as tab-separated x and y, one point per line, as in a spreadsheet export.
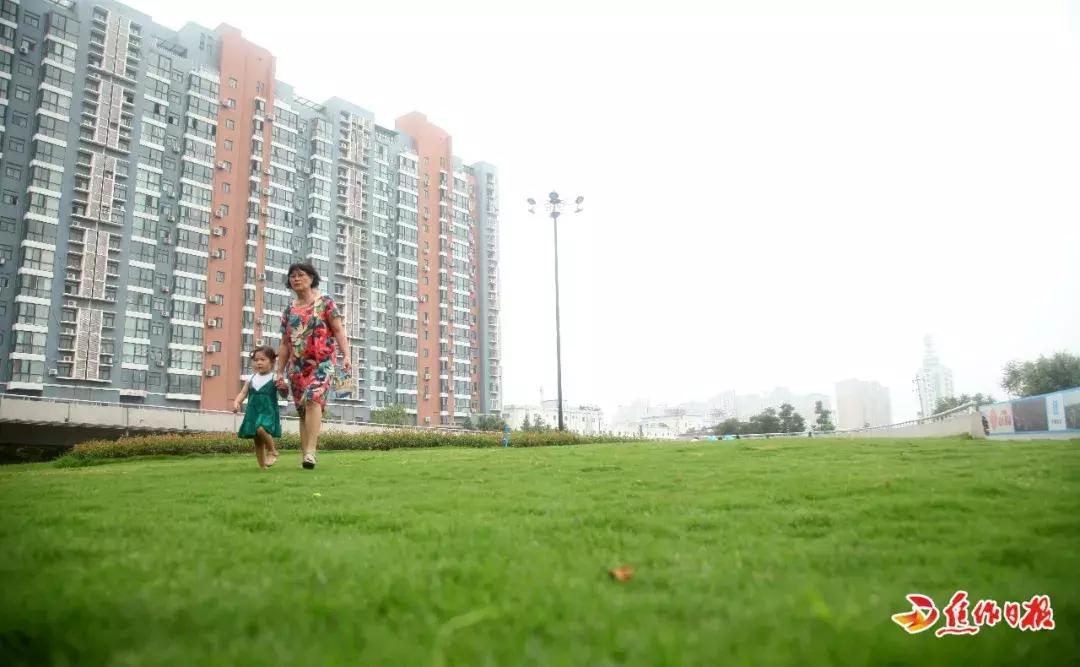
933	381
156	186
860	404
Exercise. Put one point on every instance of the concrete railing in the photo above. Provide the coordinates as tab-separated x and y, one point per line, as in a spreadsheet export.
20	409
961	420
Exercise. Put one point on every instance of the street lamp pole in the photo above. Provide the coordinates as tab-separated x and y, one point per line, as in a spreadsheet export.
554	206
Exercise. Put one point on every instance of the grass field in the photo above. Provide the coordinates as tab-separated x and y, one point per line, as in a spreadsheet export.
751	552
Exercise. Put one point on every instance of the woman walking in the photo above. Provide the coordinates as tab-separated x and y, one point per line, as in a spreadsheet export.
312	334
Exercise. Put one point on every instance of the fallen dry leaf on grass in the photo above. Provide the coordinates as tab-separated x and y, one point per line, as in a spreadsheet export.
622	573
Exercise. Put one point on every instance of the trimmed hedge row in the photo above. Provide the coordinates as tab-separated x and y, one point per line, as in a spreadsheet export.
99	451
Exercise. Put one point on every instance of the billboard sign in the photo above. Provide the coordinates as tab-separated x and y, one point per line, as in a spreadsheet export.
999	417
1053	414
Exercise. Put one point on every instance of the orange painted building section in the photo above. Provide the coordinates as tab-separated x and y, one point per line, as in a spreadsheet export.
252	68
434	148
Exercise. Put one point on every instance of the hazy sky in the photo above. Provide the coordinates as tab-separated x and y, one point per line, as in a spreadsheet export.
774	195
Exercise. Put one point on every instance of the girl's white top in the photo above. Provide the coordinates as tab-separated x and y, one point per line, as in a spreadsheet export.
260	379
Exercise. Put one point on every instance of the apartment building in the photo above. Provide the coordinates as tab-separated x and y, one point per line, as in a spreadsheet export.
156	185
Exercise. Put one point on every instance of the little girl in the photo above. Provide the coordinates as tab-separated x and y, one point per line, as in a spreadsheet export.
262	418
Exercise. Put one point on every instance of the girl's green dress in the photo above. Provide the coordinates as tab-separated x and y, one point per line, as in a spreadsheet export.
262	410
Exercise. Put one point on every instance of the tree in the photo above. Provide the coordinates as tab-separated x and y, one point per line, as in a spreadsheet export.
727	427
798	424
392	415
489	423
950	402
790	421
766	422
467	424
540	425
1045	375
526	425
824	418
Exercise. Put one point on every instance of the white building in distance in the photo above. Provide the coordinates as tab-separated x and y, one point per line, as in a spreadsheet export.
933	381
581	419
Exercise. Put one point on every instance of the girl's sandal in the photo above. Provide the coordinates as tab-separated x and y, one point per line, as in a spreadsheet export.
309	462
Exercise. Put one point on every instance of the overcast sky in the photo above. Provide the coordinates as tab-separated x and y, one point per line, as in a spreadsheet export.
774	196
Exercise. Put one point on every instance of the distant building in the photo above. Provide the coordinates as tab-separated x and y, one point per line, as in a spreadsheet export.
748	405
860	404
933	381
582	419
721	407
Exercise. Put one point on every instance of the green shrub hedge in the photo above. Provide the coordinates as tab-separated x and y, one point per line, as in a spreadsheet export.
99	451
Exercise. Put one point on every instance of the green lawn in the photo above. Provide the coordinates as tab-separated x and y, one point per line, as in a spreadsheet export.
757	553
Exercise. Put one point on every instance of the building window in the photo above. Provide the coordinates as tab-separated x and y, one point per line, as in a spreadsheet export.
20	120
221	276
232	82
17	145
230	124
10	198
22	93
31	19
27	45
13	171
259	87
228	144
225	187
26	68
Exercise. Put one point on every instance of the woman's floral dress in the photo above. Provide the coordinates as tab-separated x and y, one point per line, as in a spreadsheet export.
311	365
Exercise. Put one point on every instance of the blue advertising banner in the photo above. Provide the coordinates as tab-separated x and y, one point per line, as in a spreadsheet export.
1050	414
